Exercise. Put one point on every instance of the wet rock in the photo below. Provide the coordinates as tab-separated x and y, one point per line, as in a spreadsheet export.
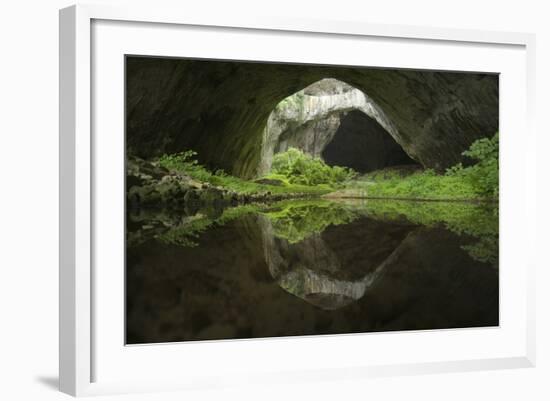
210	195
153	189
191	196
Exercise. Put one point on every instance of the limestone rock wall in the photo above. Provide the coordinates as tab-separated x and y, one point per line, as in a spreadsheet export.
310	119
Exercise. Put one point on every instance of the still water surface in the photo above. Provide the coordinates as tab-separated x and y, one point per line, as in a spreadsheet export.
310	267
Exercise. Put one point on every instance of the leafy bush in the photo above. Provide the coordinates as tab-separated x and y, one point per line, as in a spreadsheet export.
483	176
420	185
459	183
291	104
186	164
300	168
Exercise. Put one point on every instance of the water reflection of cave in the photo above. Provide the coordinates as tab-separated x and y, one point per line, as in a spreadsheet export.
335	268
364	145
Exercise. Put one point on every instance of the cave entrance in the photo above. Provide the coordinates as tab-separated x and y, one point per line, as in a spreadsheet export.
362	144
336	122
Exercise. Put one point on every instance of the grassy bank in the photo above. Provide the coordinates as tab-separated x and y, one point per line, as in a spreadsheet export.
420	185
478	181
294	172
185	163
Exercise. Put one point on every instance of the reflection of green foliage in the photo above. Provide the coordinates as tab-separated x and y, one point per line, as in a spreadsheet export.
473	182
295	221
185	163
484	250
479	221
300	168
233	213
188	231
291	220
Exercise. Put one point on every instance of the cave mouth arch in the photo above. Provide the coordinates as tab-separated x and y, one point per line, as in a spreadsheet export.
219	108
336	122
362	144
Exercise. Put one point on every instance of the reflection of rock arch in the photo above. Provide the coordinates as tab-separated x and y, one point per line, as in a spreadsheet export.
324	291
335	121
314	272
220	108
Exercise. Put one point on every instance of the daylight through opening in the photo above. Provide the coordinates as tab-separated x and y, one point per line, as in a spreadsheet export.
337	123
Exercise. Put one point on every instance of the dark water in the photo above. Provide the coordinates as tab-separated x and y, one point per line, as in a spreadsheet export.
310	267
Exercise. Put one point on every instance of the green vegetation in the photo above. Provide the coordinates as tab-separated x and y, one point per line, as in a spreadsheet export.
294	171
187	232
293	221
420	185
185	163
482	176
479	181
292	102
297	220
479	221
300	168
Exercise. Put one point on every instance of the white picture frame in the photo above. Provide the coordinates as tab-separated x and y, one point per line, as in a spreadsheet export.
78	163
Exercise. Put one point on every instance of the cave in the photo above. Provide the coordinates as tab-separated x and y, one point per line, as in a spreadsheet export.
337	123
364	145
220	108
297	240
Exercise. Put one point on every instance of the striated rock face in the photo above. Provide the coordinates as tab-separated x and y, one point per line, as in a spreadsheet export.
220	109
336	122
310	120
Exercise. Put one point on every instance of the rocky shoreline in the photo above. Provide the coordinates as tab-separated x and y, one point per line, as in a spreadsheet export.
149	185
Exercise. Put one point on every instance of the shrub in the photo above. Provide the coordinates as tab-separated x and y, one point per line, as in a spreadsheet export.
300	168
186	164
473	182
482	176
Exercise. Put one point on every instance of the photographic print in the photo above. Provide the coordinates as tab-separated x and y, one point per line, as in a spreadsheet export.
276	199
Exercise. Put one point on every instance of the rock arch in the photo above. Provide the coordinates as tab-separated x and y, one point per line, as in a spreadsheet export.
220	108
336	122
